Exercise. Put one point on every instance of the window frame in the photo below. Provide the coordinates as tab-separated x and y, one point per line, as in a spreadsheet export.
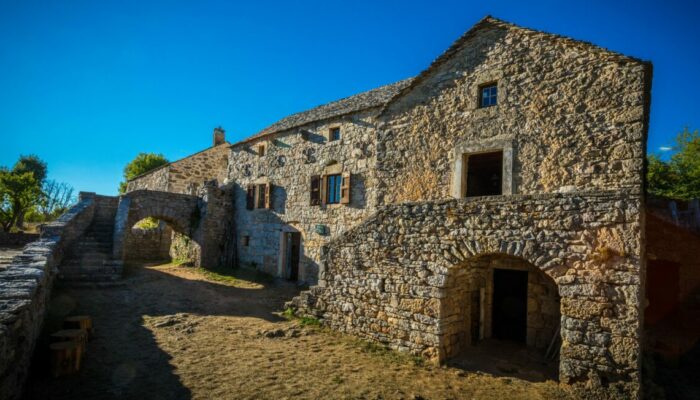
465	172
507	145
337	180
482	87
331	131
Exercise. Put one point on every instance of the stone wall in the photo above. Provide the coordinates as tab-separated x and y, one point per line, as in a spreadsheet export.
393	278
25	288
570	116
292	157
148	244
203	218
186	175
17	238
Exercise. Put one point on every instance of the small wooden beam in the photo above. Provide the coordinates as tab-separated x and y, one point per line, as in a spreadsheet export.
65	358
80	322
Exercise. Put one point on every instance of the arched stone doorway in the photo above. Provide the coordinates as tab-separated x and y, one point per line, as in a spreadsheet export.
500	298
183	214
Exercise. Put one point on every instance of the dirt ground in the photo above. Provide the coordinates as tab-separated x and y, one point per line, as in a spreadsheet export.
171	332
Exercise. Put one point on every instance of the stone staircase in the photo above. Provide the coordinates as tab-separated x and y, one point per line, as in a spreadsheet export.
90	259
307	302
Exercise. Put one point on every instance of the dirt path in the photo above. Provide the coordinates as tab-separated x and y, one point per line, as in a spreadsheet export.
169	333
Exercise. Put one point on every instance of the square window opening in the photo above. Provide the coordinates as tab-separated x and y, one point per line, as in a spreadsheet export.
488	95
334	134
484	174
261	150
333	189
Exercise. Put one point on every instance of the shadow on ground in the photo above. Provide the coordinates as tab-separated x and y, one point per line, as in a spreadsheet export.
124	361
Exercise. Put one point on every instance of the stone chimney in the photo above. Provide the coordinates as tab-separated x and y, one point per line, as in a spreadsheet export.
219	136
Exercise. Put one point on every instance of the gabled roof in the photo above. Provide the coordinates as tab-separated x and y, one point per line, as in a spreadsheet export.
489	21
365	100
385	95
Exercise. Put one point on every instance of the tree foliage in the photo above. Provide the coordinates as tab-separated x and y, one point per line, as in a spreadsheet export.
144	162
679	177
19	191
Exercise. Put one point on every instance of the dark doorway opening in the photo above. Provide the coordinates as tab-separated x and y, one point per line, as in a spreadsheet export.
663	286
293	255
510	305
484	174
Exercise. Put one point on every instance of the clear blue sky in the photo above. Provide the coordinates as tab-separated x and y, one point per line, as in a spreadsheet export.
87	85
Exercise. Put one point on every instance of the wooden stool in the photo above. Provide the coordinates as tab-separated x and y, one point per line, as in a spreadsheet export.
78	336
65	358
79	322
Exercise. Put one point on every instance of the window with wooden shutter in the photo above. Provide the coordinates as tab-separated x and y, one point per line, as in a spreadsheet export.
268	195
345	189
250	198
315	192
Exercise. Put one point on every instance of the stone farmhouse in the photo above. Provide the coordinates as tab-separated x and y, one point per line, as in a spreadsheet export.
497	194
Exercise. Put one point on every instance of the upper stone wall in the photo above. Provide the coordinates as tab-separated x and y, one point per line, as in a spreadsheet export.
573	114
188	174
291	158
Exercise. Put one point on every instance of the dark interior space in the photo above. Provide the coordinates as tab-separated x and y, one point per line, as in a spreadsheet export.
509	305
294	248
662	290
484	174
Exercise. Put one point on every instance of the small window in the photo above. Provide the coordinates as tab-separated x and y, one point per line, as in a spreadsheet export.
484	174
261	150
334	134
333	187
488	95
246	241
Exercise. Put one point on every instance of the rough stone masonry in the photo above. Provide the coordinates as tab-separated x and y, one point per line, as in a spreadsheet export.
513	164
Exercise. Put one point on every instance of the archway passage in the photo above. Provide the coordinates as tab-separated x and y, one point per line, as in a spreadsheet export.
502	315
178	215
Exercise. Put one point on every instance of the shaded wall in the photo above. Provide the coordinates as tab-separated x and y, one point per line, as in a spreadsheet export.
25	289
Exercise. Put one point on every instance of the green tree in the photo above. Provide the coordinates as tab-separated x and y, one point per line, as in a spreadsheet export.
143	163
679	177
19	192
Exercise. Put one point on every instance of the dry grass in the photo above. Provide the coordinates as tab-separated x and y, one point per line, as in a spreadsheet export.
175	333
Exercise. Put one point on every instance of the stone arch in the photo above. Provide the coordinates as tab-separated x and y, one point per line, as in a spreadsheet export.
469	307
181	212
461	251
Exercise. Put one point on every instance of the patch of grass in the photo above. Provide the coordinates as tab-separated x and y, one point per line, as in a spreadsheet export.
305	321
224	275
230	276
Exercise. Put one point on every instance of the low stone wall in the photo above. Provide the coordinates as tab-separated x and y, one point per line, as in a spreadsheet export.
392	278
17	239
25	288
148	244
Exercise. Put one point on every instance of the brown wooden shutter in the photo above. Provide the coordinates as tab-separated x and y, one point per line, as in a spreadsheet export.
268	197
315	192
250	198
345	189
324	187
